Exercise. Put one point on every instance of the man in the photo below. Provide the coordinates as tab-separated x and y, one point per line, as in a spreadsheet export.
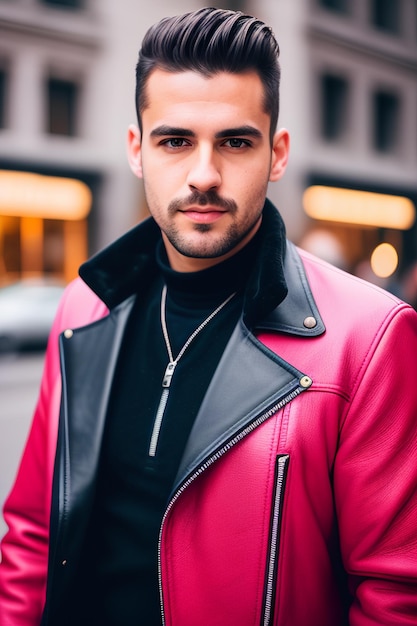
237	419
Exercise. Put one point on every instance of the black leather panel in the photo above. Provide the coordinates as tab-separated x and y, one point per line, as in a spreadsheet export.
248	381
299	303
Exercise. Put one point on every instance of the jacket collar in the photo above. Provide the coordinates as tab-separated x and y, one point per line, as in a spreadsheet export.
277	296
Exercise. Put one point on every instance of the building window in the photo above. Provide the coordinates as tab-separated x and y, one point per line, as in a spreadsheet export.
385	15
72	4
3	98
62	107
386	108
334	109
340	6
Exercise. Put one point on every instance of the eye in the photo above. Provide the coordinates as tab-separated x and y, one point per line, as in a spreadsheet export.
236	142
175	142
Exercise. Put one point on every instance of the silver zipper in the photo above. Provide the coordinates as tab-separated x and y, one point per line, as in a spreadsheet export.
172	364
158	422
303	384
282	464
166	383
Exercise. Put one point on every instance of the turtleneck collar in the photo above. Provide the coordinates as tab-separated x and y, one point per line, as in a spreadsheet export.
203	287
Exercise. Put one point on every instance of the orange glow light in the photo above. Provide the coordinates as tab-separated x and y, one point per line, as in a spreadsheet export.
26	194
384	260
364	208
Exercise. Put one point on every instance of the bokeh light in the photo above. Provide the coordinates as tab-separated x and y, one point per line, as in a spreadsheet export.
384	260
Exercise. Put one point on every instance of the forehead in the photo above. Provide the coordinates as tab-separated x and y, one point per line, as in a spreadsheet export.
191	96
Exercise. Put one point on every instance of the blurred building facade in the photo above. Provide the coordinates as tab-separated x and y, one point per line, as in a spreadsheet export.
348	97
66	100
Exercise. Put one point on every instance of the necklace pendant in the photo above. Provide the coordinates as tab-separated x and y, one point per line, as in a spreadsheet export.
169	372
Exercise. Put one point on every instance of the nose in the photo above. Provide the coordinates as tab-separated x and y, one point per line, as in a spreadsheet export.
204	173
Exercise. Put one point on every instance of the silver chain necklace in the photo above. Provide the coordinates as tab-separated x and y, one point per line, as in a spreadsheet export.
169	371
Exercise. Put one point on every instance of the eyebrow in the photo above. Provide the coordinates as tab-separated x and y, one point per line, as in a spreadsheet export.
239	131
164	131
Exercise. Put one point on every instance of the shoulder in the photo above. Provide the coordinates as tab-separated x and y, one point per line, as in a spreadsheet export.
345	294
361	319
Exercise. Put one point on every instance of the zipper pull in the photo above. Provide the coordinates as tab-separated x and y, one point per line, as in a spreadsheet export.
169	372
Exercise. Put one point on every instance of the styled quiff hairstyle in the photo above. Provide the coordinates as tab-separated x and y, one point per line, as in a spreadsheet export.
210	41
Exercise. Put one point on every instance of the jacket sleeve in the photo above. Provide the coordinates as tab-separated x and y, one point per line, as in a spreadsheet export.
375	479
24	549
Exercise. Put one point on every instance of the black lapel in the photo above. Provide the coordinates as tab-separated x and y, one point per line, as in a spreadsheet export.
249	380
88	360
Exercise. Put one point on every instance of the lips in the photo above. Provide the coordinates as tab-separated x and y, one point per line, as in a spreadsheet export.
204	215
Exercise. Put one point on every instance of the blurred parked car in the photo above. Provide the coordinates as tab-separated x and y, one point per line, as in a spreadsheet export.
27	310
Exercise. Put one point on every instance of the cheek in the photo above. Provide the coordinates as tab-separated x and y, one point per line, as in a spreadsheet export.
253	183
254	173
165	178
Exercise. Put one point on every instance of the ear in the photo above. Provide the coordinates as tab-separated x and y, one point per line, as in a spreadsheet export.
134	153
280	153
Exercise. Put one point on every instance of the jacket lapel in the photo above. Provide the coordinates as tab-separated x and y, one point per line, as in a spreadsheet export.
88	360
249	380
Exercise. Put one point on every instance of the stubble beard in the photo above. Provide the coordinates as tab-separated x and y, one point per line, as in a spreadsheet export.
207	247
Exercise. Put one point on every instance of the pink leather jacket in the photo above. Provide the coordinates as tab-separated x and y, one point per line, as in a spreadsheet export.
296	503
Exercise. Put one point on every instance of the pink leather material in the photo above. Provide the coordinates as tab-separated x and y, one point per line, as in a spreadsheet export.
27	510
352	481
352	443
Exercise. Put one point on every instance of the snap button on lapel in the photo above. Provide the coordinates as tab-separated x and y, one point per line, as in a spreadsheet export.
310	322
305	382
68	333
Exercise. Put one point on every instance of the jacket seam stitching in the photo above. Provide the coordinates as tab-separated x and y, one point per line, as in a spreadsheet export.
370	352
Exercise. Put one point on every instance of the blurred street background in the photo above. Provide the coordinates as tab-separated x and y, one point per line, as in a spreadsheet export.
348	98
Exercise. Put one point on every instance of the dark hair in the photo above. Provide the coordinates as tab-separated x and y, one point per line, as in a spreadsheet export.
209	41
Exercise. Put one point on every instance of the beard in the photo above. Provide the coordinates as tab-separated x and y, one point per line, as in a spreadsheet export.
208	247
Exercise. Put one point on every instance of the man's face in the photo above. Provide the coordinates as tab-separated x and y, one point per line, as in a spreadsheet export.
205	157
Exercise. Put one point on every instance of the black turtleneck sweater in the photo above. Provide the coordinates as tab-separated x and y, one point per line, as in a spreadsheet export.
117	580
